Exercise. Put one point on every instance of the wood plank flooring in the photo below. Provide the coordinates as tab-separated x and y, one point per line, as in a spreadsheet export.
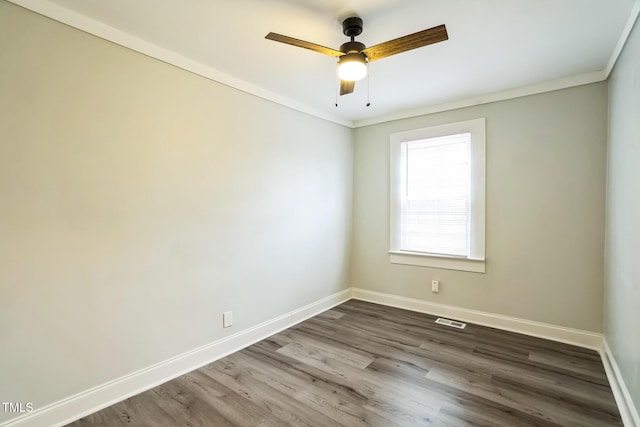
362	364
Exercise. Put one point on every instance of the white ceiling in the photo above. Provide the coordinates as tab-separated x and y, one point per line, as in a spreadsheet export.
493	46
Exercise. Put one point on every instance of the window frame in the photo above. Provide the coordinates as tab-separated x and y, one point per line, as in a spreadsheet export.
476	261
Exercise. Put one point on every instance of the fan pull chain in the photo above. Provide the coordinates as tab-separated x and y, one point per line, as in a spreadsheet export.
337	86
368	86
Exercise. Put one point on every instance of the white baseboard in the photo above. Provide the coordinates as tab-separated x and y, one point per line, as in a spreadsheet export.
628	411
577	337
92	400
89	401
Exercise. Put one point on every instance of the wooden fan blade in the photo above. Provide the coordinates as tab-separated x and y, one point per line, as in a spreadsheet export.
403	44
301	43
346	87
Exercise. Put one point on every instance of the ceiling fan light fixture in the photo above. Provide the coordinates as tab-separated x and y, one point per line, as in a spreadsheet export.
352	67
354	57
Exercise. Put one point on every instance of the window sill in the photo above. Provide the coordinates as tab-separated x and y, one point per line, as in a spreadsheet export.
437	261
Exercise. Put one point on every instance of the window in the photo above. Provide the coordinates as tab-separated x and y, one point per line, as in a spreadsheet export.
437	196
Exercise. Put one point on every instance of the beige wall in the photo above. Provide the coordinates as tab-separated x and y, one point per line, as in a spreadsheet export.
544	211
140	201
622	278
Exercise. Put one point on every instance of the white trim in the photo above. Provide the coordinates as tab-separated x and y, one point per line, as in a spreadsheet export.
89	401
91	26
635	10
398	140
628	411
74	407
435	261
112	34
577	337
542	87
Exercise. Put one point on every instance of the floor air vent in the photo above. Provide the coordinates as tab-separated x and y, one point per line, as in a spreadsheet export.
452	323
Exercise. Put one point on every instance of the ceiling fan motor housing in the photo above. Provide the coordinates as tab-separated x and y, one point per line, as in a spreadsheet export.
351	47
352	27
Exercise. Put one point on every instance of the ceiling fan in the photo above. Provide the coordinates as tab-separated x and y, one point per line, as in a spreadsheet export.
354	56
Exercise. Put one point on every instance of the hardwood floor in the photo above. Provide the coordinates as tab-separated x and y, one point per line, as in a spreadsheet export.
363	364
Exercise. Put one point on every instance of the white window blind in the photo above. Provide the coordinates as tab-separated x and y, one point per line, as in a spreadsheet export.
435	196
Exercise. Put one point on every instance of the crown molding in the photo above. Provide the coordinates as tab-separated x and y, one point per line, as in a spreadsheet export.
109	33
112	34
633	16
542	87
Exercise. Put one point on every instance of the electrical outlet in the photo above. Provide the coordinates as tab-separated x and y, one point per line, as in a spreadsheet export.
227	319
435	286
